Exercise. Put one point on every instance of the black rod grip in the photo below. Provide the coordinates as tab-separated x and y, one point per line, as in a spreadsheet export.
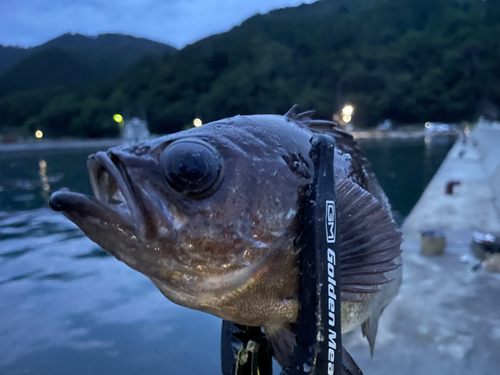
319	338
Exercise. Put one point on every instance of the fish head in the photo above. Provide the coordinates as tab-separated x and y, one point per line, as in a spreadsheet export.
209	214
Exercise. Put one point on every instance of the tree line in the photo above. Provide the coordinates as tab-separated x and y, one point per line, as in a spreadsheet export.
408	61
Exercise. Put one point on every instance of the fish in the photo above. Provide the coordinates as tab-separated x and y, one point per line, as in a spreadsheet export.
211	215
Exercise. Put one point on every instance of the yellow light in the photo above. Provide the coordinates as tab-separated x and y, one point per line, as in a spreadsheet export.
118	118
197	122
348	110
38	134
346	118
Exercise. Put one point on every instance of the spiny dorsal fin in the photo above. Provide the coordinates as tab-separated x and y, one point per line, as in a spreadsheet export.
305	118
292	112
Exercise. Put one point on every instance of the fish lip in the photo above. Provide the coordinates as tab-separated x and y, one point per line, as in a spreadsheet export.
76	204
132	212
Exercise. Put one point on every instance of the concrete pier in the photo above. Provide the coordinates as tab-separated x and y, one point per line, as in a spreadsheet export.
473	162
446	318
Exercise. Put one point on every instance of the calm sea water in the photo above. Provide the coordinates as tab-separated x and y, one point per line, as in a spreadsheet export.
66	307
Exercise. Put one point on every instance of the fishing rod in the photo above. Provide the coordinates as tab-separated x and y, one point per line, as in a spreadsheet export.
245	350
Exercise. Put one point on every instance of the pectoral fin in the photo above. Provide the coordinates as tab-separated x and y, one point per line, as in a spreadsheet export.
369	241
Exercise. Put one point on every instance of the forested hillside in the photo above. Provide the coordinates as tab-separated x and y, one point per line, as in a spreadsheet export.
72	61
405	60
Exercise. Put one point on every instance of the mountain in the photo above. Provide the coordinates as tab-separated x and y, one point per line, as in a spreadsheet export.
51	68
405	60
73	60
123	50
408	61
10	56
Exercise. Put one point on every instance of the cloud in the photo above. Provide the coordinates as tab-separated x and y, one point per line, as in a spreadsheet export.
176	22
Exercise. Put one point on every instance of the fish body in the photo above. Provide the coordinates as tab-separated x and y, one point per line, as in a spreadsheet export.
212	216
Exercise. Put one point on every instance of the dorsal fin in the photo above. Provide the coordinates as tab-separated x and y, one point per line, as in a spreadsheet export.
292	112
305	118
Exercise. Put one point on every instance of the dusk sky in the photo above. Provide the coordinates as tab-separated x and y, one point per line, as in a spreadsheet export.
28	23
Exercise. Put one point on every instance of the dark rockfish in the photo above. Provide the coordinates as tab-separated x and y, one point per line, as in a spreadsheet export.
210	215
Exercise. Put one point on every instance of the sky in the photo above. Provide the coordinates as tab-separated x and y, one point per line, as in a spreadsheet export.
27	23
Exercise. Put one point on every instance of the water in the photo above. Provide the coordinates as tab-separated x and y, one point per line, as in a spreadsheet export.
404	167
67	307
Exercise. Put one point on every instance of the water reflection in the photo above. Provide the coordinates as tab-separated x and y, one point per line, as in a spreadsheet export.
427	142
24	176
44	179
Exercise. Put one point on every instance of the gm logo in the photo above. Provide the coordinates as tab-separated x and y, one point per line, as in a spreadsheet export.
331	227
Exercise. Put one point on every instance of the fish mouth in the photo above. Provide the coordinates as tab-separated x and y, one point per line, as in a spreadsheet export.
115	198
111	184
113	188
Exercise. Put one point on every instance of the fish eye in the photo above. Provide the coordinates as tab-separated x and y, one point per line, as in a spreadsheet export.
192	167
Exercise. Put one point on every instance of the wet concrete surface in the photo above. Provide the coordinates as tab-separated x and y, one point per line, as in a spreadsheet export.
446	318
472	204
